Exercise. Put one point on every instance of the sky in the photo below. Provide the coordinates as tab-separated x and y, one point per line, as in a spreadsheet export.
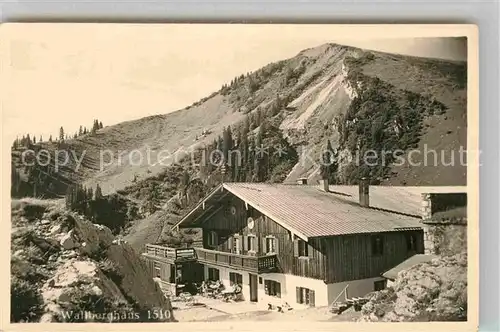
69	74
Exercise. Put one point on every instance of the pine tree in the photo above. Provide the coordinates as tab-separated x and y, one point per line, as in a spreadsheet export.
98	192
34	139
85	130
329	163
80	131
75	136
61	134
227	142
95	126
41	139
100	125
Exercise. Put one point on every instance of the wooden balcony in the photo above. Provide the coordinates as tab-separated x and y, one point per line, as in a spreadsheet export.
261	264
170	254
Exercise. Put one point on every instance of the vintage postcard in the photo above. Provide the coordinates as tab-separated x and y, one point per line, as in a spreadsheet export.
212	175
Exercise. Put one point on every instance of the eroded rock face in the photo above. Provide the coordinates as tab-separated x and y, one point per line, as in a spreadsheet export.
73	265
431	291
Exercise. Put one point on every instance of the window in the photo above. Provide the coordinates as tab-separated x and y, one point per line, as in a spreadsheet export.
251	243
377	245
212	239
305	296
303	249
300	248
411	242
271	245
379	285
236	245
235	278
260	280
213	274
272	288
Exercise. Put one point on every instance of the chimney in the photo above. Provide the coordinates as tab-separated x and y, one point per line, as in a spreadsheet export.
325	184
364	192
302	181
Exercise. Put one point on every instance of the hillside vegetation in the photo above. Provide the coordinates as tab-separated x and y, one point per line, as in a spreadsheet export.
333	96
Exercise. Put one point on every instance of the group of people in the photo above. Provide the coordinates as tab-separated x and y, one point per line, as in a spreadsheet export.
216	289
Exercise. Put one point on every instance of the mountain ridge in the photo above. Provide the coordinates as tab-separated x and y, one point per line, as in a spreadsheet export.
321	69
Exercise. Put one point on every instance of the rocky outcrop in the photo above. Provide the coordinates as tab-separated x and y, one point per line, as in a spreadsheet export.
435	291
79	273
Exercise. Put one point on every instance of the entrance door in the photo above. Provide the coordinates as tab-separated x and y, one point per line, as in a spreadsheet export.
253	287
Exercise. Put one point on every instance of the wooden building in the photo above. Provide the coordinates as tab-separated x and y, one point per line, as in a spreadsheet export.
304	244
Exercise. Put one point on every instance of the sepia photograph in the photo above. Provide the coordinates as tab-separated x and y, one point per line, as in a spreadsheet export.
209	173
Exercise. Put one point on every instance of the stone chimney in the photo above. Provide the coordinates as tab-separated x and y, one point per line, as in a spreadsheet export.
325	185
302	181
364	192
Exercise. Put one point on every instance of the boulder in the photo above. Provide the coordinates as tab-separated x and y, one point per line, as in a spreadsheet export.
55	229
68	242
430	291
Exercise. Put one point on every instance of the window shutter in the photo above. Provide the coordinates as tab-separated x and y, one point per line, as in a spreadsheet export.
264	244
230	243
311	298
298	294
256	243
245	243
296	248
310	251
278	289
276	245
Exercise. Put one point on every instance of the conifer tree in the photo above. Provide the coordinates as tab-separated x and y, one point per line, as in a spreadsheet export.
98	192
61	134
329	163
80	131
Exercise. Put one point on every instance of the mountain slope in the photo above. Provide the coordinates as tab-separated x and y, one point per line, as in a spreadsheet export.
312	97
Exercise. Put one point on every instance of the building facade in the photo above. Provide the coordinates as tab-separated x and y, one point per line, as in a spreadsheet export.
299	244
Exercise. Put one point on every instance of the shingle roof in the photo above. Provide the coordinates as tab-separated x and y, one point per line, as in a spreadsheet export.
311	212
412	261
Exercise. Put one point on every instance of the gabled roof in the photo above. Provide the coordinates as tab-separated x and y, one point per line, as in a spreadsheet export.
308	211
392	274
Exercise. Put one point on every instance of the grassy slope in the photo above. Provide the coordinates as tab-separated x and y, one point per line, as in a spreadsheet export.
445	81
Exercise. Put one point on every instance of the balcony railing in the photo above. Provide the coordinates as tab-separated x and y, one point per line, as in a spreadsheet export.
258	264
174	254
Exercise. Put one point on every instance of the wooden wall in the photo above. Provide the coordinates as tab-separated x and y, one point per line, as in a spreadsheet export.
227	225
165	269
350	257
332	259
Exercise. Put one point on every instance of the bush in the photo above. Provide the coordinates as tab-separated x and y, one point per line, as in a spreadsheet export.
26	304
